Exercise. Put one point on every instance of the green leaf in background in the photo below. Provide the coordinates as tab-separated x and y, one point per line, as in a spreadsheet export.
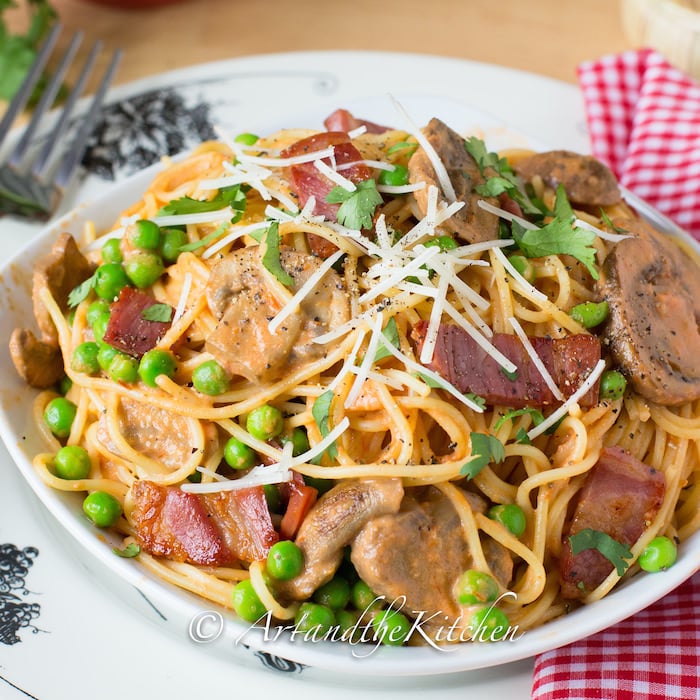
615	552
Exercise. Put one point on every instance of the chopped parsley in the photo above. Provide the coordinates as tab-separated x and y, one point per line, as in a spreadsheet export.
80	293
390	333
207	240
357	207
129	552
232	196
615	552
536	415
162	313
559	237
410	147
271	256
503	181
321	413
485	449
608	222
480	401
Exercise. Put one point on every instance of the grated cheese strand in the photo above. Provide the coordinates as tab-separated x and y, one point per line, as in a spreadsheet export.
605	235
426	353
237	233
257	476
367	361
536	359
486	206
335	176
182	301
293	304
532	291
554	417
401	189
204	217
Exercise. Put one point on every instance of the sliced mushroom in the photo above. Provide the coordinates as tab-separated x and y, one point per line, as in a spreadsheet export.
471	222
419	553
653	289
332	524
37	362
63	269
240	296
586	180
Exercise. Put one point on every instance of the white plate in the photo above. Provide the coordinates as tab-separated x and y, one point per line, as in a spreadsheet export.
260	94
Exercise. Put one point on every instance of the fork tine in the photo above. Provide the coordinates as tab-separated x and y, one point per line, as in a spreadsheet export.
71	159
42	159
20	100
47	98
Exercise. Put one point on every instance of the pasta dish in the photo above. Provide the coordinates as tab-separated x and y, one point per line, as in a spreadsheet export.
372	376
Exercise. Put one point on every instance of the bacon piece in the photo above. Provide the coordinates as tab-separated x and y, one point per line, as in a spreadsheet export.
465	365
307	180
214	529
127	330
342	120
300	500
620	497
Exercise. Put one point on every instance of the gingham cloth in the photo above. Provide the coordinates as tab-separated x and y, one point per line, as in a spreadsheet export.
644	122
651	656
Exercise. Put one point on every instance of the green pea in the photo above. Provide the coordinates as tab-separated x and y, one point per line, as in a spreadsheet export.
523	266
72	462
314	618
285	560
273	498
210	378
144	234
590	314
124	368
489	624
246	139
396	177
111	251
195	477
511	516
102	508
65	384
363	597
97	310
59	415
335	594
84	358
475	587
144	269
391	627
105	355
265	422
445	243
612	385
658	555
109	280
99	328
346	621
299	440
246	602
172	240
154	363
238	455
320	484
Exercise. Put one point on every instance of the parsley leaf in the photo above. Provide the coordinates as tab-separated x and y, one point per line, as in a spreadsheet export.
615	552
522	438
608	222
232	196
271	256
80	293
558	237
480	401
504	179
163	313
485	449
321	411
537	416
391	333
129	552
357	207
18	51
210	238
409	146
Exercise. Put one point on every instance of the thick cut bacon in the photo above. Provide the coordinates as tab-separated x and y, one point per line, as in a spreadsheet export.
343	120
463	363
127	329
214	529
620	497
307	180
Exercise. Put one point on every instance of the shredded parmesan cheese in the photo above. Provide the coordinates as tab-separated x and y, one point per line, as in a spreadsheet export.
182	301
204	217
335	176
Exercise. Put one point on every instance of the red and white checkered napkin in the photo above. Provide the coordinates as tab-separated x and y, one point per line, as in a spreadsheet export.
644	122
652	655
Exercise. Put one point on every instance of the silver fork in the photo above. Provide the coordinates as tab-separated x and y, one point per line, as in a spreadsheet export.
32	186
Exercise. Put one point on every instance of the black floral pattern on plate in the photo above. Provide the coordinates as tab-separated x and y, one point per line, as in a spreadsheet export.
16	613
